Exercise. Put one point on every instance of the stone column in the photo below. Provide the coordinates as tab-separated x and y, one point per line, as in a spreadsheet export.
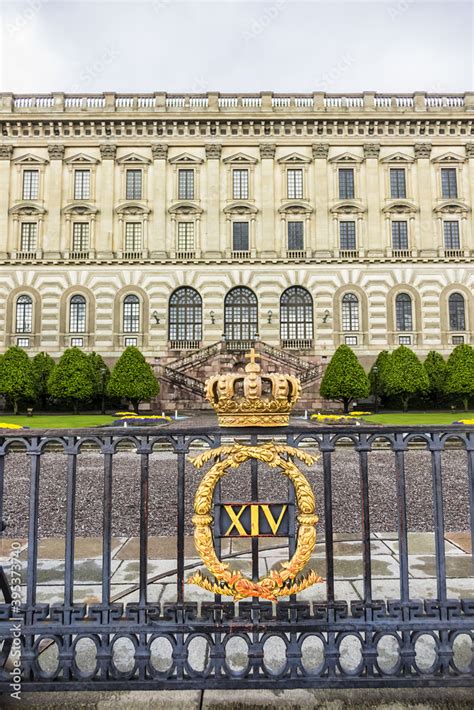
107	242
158	233
374	234
6	152
428	239
267	186
52	242
211	244
320	238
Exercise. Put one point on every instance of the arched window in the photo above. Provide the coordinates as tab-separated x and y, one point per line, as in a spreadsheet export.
77	314
131	314
457	316
24	314
404	314
240	314
350	312
296	314
185	315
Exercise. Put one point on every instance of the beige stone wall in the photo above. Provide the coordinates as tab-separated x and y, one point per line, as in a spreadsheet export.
214	135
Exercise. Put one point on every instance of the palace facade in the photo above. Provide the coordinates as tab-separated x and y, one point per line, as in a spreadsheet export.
193	226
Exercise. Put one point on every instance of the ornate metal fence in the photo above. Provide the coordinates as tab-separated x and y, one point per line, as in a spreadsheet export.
212	622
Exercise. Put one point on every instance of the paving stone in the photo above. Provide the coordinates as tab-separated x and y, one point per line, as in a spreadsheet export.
461	539
423	544
350	567
318	592
53	548
419	588
425	566
129	570
85	571
161	548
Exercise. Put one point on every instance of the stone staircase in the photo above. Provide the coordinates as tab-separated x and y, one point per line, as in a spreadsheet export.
184	391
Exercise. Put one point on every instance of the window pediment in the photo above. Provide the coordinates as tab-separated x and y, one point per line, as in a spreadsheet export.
133	158
80	208
30	159
449	158
398	158
451	207
347	207
186	159
185	208
400	206
294	158
132	208
27	208
296	207
346	158
240	207
81	159
241	159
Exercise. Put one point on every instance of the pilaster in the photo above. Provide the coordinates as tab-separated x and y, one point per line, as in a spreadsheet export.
320	240
6	152
158	245
374	231
428	239
212	246
52	234
108	241
267	191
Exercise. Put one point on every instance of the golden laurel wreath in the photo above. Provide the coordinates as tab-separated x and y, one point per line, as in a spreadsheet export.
278	583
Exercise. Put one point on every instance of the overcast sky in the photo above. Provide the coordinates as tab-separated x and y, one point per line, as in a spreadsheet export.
234	45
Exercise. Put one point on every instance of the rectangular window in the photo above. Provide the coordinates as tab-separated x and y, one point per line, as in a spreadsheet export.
77	342
457	339
133	236
30	184
240	183
398	188
449	187
185	236
295	184
130	341
29	233
346	184
240	236
23	342
82	184
350	339
347	236
404	339
80	236
295	236
186	184
134	185
451	235
400	235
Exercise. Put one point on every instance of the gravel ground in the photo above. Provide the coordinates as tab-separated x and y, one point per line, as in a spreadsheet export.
163	478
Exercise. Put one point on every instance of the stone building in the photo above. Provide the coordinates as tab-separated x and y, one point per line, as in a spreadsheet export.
194	226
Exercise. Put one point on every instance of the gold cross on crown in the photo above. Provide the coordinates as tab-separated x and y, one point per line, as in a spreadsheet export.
252	356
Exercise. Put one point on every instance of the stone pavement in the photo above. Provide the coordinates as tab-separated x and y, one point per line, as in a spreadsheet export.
349	586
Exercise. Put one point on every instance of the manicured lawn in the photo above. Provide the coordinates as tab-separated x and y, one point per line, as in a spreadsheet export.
419	417
56	421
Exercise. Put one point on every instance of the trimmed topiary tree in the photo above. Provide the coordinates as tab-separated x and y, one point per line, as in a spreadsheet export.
377	376
43	365
132	378
460	374
16	377
405	375
435	368
72	380
345	378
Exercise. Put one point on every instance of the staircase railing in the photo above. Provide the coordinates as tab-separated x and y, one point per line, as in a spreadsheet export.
284	356
197	357
180	379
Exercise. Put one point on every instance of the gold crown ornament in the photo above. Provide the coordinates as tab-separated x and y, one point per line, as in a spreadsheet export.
253	399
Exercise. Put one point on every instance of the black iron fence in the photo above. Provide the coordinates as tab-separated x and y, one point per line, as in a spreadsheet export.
197	629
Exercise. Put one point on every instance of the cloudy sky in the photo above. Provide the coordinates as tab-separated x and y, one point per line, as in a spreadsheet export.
236	45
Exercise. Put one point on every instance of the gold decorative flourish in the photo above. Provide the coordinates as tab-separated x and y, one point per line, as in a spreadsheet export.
277	583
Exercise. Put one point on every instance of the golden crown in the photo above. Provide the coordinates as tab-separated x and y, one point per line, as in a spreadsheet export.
252	399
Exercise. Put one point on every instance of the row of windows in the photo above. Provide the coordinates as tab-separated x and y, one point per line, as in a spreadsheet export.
240	236
240	184
241	314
